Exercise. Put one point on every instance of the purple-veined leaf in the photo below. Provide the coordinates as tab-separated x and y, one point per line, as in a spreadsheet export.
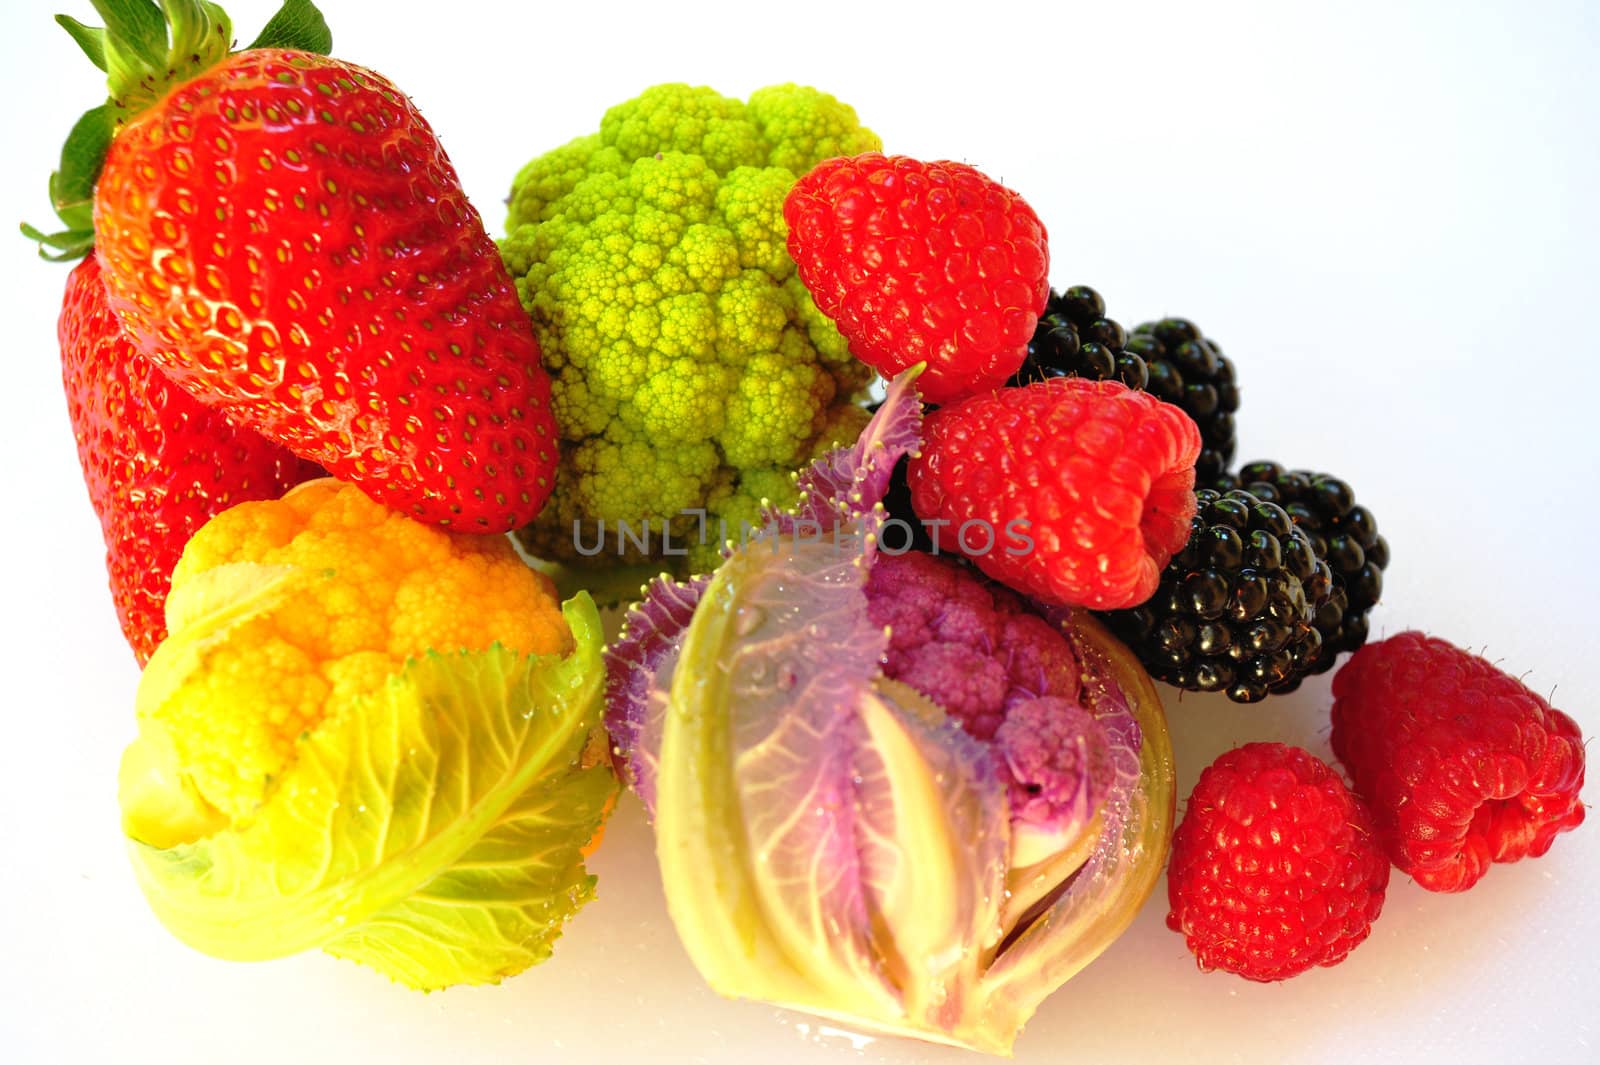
755	802
842	485
848	482
638	674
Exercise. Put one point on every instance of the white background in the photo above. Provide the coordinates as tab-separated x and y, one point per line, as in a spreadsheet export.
1384	212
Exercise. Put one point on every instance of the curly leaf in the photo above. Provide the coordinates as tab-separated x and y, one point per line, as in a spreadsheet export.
849	481
830	841
844	484
639	674
449	805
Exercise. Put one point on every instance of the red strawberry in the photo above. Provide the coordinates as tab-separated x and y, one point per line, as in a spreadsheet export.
284	236
1462	764
1075	492
1274	869
922	262
158	463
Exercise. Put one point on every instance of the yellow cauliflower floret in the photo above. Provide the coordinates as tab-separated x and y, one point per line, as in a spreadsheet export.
283	613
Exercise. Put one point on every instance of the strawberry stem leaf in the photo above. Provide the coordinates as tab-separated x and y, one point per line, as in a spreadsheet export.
72	186
135	34
92	39
298	25
149	49
146	50
68	245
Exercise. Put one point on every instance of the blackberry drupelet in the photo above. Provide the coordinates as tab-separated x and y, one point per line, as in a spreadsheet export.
1343	533
1170	359
1237	607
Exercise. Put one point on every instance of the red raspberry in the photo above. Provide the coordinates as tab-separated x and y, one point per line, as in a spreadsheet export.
1461	764
922	262
1076	492
1275	868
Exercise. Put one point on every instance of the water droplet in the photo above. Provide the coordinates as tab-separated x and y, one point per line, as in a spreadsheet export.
748	620
857	1041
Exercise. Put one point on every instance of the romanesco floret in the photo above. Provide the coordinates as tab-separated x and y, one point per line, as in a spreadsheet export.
691	370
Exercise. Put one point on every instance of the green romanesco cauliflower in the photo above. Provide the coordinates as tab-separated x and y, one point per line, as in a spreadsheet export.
692	374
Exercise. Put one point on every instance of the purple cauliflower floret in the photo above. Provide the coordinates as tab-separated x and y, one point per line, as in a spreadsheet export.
1009	676
970	646
1057	761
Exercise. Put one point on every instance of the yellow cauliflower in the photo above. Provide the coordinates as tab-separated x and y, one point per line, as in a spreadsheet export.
350	703
363	589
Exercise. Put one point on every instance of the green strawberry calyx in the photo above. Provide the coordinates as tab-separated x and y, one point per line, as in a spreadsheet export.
145	50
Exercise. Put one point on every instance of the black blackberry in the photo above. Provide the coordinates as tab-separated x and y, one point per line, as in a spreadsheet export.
1189	370
1170	359
1236	609
1074	338
1343	532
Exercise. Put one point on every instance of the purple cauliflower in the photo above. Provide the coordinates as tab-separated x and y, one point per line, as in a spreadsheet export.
931	864
971	646
1005	673
1057	761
